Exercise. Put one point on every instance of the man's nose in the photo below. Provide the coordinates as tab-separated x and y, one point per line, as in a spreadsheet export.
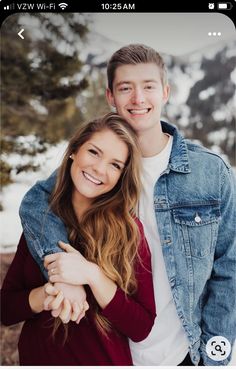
138	96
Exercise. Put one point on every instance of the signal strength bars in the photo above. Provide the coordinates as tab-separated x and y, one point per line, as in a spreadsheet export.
9	7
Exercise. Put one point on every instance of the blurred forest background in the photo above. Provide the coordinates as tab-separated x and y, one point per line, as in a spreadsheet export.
50	85
43	79
55	79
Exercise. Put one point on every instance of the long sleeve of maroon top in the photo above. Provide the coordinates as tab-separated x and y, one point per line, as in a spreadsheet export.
134	316
130	316
15	289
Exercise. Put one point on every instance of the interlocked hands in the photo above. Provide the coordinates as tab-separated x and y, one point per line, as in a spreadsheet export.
65	294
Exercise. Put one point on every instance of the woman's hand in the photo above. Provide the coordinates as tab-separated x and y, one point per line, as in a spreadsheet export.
39	298
71	312
70	267
54	297
66	301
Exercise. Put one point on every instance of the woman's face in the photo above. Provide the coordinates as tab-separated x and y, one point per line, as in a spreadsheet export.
97	165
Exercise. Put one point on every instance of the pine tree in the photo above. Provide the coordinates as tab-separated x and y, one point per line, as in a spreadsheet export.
42	76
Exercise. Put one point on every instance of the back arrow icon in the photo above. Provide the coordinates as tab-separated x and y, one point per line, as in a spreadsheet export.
20	34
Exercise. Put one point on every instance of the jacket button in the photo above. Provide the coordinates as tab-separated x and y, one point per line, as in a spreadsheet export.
197	219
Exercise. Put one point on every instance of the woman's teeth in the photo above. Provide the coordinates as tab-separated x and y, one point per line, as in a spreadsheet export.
91	178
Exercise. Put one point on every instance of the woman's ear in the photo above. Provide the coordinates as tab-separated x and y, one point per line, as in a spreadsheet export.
72	156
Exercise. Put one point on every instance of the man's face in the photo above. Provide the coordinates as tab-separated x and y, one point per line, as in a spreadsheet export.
138	95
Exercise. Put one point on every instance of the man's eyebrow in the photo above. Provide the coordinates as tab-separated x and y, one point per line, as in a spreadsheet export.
151	80
99	149
123	82
130	82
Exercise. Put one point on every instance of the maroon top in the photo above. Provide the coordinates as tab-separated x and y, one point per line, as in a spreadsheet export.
131	317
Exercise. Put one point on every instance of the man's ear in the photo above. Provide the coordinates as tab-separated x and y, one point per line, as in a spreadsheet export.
110	98
166	93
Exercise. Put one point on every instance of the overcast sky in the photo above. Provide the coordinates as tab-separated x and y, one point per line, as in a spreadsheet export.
172	33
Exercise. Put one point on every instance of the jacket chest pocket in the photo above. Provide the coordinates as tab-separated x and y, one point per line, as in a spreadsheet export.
197	228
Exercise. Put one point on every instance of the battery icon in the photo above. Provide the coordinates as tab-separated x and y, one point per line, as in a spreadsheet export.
224	6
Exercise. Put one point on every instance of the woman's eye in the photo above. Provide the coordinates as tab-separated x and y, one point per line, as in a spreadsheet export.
116	166
93	151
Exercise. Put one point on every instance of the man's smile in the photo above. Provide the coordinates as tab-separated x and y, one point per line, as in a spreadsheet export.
140	111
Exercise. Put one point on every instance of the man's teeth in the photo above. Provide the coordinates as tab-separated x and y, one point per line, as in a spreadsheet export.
139	111
91	178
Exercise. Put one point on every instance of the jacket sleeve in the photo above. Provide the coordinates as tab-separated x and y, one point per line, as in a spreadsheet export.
134	316
219	314
15	293
42	228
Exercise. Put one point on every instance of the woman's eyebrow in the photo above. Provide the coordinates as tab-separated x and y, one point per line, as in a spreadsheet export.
121	162
99	149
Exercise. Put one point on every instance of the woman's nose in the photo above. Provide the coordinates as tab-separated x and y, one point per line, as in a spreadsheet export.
100	167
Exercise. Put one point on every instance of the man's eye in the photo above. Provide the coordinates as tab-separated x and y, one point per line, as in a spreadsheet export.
124	88
149	87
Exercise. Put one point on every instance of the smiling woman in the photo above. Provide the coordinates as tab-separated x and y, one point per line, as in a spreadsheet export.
97	166
95	195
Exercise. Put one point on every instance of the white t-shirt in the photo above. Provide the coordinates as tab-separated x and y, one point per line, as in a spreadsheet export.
167	343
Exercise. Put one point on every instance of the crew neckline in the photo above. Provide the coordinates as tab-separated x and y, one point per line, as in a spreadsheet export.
163	152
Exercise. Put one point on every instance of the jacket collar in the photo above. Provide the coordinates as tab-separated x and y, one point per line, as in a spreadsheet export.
179	160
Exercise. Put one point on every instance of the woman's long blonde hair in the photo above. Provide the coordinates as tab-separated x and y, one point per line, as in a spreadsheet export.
107	233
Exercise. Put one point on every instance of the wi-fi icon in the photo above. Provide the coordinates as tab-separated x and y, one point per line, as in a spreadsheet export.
63	5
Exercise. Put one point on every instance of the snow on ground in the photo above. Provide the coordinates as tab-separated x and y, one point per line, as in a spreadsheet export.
10	226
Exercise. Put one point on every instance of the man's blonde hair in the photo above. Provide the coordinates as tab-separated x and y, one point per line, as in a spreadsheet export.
135	54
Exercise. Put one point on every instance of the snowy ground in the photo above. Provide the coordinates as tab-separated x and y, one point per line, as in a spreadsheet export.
10	226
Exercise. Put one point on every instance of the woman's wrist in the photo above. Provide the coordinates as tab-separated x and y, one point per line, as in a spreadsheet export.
103	288
94	271
36	299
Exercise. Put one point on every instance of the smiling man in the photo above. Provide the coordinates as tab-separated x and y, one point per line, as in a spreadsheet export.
138	92
187	208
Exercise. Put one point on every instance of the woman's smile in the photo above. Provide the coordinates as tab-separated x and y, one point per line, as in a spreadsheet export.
91	178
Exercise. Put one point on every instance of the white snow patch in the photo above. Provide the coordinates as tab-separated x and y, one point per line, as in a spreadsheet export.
11	196
205	94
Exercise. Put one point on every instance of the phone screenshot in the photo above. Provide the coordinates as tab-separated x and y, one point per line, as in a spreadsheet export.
118	167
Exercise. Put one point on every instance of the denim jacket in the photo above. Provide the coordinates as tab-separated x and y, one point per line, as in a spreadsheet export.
195	207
